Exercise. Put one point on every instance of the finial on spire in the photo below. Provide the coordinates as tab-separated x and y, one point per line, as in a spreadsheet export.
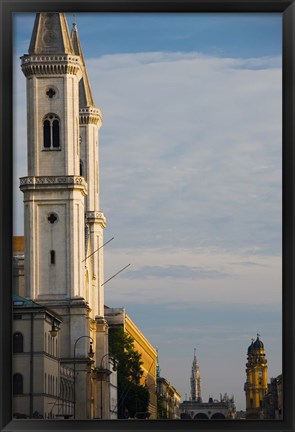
258	335
75	21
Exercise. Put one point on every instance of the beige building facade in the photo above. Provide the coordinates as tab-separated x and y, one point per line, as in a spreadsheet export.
168	400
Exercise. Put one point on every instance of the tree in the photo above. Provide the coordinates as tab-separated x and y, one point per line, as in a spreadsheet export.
132	396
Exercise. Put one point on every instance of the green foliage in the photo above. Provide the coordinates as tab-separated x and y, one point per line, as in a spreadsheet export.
161	412
132	396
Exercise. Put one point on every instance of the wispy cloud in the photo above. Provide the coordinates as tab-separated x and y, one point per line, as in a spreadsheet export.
174	272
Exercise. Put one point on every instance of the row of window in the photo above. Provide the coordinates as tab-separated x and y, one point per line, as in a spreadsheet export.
50	386
50	344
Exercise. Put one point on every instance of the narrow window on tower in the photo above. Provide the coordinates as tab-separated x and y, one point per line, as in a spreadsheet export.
81	168
51	132
52	257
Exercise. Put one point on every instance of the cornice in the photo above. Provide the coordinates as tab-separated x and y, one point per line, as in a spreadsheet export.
139	337
90	115
96	217
53	182
51	65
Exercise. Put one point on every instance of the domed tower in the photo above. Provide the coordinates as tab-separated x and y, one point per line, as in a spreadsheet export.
256	383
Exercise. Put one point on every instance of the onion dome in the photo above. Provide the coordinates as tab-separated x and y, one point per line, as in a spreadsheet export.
258	344
250	348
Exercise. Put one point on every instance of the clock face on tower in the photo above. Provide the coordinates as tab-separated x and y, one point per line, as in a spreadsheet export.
260	373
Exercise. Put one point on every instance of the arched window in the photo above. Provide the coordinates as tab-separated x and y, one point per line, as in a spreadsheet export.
18	384
81	168
51	132
18	343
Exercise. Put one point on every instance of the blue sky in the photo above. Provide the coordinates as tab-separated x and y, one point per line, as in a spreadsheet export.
190	181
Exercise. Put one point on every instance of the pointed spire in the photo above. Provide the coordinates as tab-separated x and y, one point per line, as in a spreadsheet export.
195	380
51	35
85	94
158	370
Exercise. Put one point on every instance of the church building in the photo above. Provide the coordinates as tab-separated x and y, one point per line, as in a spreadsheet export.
195	408
256	384
63	222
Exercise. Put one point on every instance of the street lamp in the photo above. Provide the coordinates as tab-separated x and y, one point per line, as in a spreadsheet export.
54	329
106	371
90	355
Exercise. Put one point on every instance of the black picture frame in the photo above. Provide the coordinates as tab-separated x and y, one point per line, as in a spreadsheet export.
287	9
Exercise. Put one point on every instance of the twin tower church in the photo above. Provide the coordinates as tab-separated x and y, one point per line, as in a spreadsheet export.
63	223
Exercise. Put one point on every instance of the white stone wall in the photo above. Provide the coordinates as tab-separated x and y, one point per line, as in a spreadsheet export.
66	278
66	160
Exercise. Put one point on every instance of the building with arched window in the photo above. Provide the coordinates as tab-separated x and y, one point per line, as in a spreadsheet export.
62	276
36	346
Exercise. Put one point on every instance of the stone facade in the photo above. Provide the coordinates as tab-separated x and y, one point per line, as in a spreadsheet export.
211	410
63	223
168	400
36	368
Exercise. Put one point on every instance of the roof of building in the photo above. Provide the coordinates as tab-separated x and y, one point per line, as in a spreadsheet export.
23	302
51	35
258	344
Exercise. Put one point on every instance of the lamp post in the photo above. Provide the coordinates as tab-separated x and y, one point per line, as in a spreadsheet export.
102	370
90	354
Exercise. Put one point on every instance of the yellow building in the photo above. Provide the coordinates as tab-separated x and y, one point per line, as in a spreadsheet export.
256	383
118	317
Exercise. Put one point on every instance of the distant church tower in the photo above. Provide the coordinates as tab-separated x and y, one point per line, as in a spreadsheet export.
63	222
256	383
196	380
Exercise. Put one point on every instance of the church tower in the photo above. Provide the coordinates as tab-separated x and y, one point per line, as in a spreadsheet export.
196	380
63	222
256	383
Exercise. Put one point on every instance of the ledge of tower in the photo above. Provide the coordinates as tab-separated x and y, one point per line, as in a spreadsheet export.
51	35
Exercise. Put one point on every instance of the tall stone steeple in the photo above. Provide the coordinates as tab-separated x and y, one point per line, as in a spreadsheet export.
54	191
63	222
90	120
196	380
